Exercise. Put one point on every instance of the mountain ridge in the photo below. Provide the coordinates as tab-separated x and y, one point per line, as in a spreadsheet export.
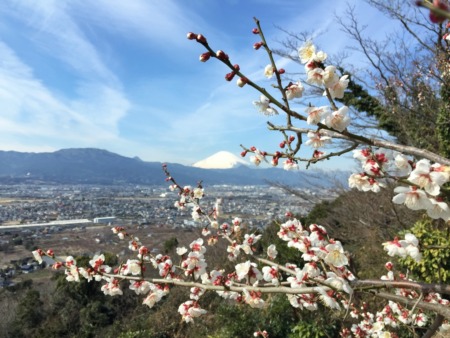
98	166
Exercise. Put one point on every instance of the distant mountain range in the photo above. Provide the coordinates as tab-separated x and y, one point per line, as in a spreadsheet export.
96	166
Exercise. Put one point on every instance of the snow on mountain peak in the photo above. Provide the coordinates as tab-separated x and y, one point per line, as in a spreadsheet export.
220	160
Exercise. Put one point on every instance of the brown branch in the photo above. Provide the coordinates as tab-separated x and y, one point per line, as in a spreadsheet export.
345	135
444	311
422	287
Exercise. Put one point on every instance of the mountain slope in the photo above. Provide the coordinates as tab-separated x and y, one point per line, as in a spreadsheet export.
220	160
95	166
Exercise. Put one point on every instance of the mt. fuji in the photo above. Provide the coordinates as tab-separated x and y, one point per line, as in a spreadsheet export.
221	160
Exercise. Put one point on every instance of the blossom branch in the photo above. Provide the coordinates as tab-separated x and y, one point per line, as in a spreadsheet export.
437	308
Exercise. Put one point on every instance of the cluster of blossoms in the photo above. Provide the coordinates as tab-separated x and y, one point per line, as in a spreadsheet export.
392	315
324	276
403	248
424	180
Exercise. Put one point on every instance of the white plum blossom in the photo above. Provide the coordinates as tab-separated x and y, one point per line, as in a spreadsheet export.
153	297
402	165
257	157
339	119
253	299
294	91
272	251
263	106
248	270
268	71
198	193
337	88
111	288
338	283
315	76
403	248
336	255
316	114
141	287
270	274
72	274
181	251
438	209
37	254
290	164
413	198
327	299
425	178
317	139
248	242
132	266
307	52
329	76
190	310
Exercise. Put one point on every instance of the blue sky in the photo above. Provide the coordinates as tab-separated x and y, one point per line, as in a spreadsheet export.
121	75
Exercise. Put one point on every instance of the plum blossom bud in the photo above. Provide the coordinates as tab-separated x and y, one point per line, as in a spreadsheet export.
244	153
318	154
50	253
236	67
242	81
281	71
282	144
191	36
389	266
257	45
57	265
205	57
255	31
200	38
229	76
440	4
291	138
221	55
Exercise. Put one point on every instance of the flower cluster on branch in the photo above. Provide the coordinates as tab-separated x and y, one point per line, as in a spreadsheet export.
324	275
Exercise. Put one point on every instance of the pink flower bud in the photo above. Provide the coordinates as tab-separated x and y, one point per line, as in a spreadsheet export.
317	154
282	144
389	266
288	214
191	36
255	31
257	45
244	153
200	38
242	81
236	67
57	265
50	253
281	71
253	148
205	57
229	76
221	55
436	18
291	138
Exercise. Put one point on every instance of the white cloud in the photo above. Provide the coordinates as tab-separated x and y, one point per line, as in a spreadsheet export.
33	112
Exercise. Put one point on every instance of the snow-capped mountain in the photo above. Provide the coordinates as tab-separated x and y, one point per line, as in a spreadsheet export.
221	160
